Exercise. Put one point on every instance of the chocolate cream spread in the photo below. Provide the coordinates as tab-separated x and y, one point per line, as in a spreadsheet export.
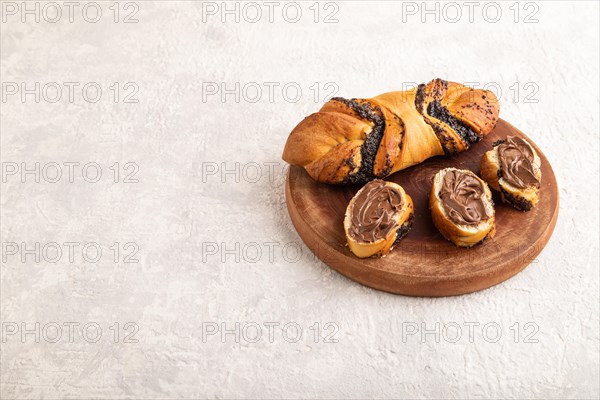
463	198
516	160
373	210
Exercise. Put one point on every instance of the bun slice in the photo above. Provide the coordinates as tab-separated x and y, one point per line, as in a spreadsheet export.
512	168
377	217
461	207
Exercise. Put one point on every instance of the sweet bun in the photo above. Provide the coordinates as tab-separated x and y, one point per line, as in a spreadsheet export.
462	207
377	217
512	168
351	141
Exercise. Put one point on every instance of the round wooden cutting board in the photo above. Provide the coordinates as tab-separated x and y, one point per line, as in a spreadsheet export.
424	263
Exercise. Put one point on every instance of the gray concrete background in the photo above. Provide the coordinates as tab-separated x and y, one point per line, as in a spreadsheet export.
193	229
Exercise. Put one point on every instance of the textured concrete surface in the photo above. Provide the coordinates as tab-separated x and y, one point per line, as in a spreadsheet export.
216	248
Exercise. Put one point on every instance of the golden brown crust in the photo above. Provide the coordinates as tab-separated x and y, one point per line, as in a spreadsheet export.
391	132
489	168
329	167
329	129
390	145
419	141
475	107
460	235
